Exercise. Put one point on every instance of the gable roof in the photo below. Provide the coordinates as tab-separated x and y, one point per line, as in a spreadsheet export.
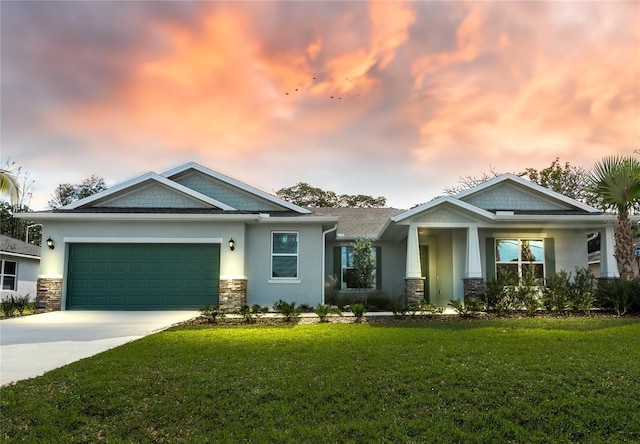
17	247
235	184
124	188
560	200
442	201
141	191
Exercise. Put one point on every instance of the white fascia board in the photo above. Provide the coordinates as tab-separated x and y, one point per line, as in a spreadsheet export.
138	216
528	184
295	219
557	217
243	186
441	201
150	176
26	256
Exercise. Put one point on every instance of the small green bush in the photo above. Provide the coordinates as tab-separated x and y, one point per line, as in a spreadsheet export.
358	311
526	294
8	305
212	313
325	310
247	314
619	295
467	308
399	309
555	295
288	309
259	309
581	291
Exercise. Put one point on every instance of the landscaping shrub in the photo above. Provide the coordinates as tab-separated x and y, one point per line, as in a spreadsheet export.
212	313
527	294
555	295
247	314
358	311
259	309
288	309
467	308
581	294
325	310
305	308
8	305
619	295
21	303
494	294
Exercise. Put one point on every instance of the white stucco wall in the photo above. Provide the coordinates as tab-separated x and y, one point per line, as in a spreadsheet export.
265	291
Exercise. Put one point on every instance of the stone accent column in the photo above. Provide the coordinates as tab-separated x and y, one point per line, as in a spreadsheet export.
414	290
474	288
233	294
48	294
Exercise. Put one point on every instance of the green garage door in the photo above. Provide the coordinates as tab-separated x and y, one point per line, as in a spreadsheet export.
142	276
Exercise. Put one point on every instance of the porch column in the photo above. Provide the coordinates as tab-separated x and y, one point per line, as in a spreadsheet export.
413	253
473	267
473	282
608	263
414	282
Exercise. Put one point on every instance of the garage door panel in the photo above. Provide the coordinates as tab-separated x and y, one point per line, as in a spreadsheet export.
142	276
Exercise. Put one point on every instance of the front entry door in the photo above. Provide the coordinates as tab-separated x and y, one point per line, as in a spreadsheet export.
424	266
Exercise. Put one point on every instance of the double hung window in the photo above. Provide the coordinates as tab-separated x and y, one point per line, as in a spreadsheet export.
284	255
8	275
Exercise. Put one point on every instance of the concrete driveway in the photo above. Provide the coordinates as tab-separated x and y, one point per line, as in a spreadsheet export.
33	345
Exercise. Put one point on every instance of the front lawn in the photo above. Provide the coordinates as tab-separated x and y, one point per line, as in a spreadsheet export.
514	380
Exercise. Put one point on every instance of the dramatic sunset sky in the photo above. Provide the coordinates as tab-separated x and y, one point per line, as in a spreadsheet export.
383	98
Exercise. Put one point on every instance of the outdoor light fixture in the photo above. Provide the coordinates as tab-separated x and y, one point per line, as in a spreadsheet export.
50	243
232	244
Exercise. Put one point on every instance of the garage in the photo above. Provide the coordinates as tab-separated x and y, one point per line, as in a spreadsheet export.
131	276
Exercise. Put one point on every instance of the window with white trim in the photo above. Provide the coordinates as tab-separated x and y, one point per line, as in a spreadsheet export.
8	272
517	257
284	255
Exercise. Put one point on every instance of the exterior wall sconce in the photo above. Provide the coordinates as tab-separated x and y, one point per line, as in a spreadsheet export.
232	244
50	243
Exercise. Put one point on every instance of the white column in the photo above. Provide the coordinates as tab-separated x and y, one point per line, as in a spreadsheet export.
473	268
608	263
413	253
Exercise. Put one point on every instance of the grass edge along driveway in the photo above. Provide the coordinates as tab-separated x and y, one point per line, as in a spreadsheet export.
514	380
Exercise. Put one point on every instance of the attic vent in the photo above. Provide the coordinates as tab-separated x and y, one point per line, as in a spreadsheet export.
504	213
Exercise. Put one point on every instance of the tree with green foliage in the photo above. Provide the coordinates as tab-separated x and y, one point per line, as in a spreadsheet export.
568	180
616	180
17	228
9	185
305	195
364	263
67	193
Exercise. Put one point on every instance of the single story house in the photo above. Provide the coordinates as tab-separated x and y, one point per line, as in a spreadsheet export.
192	236
19	266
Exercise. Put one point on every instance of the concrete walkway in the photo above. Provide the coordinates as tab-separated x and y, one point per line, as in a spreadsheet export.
33	345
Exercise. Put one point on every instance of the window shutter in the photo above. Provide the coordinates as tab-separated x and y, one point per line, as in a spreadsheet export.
378	268
491	258
337	267
549	256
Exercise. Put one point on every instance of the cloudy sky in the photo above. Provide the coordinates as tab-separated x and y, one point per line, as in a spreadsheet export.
383	98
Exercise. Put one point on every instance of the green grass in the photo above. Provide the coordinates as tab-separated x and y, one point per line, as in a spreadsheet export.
515	380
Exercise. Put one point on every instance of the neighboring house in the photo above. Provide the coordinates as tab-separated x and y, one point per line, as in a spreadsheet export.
19	263
165	242
594	260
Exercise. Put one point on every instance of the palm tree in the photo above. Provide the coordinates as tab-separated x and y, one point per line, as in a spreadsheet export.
616	180
9	185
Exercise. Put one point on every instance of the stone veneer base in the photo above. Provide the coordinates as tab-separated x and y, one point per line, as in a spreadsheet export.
233	294
48	294
414	290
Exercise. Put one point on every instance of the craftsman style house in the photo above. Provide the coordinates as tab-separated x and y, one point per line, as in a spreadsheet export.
192	236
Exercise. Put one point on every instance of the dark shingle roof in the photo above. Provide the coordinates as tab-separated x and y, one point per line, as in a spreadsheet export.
16	246
359	222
